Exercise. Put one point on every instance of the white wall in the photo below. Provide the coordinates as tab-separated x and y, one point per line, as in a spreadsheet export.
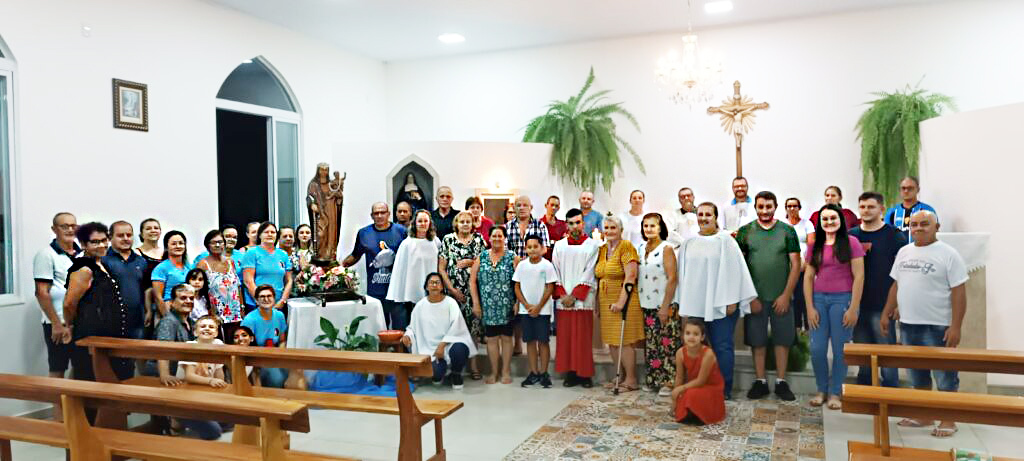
70	158
971	162
815	72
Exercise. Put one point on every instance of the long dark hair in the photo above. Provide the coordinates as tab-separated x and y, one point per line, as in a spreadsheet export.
205	290
841	249
167	238
699	323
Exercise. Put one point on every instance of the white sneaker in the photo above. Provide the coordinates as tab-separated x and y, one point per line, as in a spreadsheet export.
646	388
665	392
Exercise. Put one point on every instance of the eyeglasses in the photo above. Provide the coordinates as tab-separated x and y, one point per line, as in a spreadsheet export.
270	297
99	242
215	243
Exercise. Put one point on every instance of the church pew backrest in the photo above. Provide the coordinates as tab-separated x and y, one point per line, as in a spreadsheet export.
936	358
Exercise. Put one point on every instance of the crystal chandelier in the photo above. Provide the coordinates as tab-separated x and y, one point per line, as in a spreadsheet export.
692	77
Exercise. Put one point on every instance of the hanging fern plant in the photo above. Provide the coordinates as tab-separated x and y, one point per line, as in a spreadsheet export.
890	137
587	148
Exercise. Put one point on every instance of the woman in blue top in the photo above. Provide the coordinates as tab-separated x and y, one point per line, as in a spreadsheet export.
269	329
171	271
265	264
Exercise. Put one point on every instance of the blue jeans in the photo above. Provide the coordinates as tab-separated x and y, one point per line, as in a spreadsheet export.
206	430
929	335
394	314
868	332
720	334
830	307
459	354
273	377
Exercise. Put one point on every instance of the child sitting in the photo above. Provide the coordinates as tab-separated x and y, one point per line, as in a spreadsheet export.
243	336
698	394
206	330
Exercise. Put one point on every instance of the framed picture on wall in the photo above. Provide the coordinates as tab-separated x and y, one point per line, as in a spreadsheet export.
131	105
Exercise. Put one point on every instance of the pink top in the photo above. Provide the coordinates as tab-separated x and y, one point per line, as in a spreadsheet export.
833	276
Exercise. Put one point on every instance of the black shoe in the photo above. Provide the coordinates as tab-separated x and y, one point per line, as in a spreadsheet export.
456	379
587	383
437	381
782	390
545	381
571	379
759	390
530	380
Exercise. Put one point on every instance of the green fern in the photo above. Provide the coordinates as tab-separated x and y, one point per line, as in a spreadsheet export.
586	146
890	137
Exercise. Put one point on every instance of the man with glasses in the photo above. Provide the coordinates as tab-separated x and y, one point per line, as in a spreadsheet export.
683	220
898	215
50	271
128	268
379	242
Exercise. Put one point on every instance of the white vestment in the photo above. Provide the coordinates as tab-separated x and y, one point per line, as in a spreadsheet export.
416	259
681	226
574	265
713	275
737	215
436	323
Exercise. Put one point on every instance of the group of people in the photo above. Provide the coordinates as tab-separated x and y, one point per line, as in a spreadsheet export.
674	285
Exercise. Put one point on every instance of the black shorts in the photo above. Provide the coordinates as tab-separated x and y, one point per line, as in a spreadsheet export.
491	331
59	355
535	328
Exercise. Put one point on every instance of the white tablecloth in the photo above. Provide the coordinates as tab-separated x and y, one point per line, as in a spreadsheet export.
304	319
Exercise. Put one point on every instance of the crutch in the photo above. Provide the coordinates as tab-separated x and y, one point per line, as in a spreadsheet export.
622	333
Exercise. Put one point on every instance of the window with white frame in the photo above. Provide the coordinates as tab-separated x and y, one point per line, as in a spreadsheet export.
6	154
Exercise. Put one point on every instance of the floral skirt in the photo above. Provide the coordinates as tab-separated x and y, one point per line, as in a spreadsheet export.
662	342
473	323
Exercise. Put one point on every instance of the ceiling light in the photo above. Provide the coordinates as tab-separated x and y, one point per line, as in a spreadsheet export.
718	7
451	38
247	61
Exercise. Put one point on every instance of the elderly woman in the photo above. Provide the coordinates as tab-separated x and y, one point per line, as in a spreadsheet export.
656	288
93	304
458	252
715	285
265	264
616	267
494	302
481	224
225	288
437	329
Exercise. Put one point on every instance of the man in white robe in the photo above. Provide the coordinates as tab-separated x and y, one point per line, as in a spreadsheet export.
574	258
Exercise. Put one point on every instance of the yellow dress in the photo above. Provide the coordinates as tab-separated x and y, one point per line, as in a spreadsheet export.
611	274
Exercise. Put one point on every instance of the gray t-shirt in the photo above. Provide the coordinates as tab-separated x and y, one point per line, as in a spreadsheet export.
925	276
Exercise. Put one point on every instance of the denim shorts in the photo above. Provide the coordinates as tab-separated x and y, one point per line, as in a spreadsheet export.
929	335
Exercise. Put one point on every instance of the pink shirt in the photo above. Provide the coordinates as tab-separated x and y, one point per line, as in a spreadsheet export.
833	276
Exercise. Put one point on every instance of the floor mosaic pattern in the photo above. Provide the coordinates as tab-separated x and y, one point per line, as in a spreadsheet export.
637	426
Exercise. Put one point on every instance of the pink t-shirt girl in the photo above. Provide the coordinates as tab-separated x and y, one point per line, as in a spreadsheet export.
833	276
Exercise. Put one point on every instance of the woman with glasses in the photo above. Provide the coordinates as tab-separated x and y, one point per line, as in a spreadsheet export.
225	297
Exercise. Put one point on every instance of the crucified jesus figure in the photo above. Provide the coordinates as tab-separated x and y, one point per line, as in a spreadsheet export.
737	117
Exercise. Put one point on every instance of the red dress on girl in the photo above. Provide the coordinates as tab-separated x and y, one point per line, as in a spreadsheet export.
707	402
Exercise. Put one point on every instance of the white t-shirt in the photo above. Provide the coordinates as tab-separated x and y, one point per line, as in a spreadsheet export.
51	265
925	276
632	228
533	279
210	368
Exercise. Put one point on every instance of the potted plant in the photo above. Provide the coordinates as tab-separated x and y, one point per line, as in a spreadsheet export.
586	146
332	339
890	137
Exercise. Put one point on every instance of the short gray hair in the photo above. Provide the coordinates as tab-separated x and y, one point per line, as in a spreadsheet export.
614	219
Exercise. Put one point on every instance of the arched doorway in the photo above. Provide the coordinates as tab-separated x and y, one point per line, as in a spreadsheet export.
258	147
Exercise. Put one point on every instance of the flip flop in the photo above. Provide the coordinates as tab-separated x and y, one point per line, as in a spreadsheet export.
476	376
944	432
817	400
835	404
909	422
490	380
506	380
627	388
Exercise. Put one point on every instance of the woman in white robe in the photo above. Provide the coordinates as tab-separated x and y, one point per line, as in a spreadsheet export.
416	257
715	285
438	329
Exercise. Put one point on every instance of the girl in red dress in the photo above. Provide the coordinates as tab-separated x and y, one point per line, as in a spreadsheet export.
698	393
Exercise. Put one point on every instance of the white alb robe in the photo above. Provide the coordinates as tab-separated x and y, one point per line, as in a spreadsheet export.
681	226
713	275
574	265
436	323
416	259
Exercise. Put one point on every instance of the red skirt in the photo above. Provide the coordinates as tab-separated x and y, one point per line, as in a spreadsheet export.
574	350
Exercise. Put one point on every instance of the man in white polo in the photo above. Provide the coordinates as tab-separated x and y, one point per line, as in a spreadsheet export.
50	271
929	298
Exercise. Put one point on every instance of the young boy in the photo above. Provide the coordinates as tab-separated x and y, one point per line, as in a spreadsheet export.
535	282
206	330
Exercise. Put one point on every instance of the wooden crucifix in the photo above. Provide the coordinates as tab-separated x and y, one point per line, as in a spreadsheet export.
737	117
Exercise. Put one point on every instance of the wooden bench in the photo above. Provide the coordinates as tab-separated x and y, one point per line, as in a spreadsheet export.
88	443
412	414
910	403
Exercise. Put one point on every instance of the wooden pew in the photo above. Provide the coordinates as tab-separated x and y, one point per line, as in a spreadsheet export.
88	443
412	414
927	404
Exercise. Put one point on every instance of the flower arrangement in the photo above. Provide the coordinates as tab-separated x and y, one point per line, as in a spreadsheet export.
333	278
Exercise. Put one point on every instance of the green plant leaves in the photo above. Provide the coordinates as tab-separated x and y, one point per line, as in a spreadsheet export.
586	146
890	136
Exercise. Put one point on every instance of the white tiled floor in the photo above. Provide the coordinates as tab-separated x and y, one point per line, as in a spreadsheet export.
496	418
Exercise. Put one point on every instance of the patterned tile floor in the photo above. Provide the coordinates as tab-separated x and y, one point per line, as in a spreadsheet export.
637	426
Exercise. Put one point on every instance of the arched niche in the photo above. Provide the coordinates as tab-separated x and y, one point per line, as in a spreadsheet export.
425	178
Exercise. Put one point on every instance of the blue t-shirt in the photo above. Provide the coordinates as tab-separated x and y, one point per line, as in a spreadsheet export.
368	244
268	333
170	274
899	217
270	269
881	247
129	275
592	221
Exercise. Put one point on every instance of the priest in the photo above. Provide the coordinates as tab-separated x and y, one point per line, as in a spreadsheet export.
574	258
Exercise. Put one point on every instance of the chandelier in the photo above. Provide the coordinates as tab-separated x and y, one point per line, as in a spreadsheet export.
689	78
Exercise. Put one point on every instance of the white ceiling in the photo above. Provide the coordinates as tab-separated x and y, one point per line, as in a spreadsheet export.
392	30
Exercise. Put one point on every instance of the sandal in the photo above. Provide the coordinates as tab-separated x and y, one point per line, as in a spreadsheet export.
627	388
475	376
835	404
490	380
507	379
817	400
944	432
909	422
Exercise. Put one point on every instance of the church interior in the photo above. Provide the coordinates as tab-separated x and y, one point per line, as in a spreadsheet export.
203	113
